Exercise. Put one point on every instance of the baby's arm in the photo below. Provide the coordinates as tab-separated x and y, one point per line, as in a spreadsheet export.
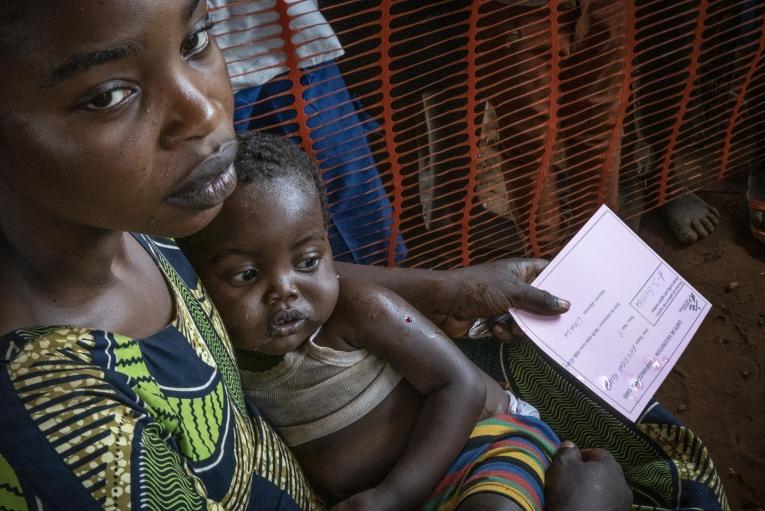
386	325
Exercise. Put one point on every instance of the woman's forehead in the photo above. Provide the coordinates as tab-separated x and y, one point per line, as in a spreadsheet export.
67	36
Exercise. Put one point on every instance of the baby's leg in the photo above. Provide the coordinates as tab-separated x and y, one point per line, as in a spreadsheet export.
488	502
501	467
501	401
496	398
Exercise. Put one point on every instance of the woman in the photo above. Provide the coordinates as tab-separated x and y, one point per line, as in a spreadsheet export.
117	118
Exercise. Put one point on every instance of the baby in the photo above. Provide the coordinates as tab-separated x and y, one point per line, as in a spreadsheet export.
380	408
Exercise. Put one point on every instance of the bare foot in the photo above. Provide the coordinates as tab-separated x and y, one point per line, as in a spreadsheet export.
690	218
756	197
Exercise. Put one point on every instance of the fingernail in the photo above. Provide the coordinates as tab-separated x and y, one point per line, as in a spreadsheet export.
564	304
567	444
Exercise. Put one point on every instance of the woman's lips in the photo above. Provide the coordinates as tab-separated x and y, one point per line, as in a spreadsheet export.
210	183
206	194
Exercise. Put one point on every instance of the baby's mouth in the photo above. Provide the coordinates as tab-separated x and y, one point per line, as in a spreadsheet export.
285	322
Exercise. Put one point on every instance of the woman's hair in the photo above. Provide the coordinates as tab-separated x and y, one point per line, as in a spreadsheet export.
8	12
264	156
13	15
11	24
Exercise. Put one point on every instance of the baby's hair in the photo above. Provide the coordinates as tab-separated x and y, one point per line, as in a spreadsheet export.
265	156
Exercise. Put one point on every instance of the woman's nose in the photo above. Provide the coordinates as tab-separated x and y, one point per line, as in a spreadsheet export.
192	112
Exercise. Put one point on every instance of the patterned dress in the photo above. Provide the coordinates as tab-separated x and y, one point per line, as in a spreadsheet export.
92	419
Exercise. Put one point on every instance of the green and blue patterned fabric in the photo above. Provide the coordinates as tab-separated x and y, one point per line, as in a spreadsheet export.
93	419
665	464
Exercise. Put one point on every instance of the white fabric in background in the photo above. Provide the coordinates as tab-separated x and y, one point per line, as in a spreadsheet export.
250	35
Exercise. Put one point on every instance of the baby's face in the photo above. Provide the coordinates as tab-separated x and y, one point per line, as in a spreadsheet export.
268	265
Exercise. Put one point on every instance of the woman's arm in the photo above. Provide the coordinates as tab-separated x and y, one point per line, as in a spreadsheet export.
454	392
454	299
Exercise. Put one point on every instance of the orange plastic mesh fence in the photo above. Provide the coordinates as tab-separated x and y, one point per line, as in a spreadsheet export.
498	127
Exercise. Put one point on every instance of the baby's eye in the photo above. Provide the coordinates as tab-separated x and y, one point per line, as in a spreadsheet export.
308	264
198	41
244	276
110	99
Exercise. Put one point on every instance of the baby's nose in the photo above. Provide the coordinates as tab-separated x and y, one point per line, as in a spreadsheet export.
282	288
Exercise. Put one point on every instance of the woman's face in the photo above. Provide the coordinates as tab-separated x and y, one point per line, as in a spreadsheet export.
117	114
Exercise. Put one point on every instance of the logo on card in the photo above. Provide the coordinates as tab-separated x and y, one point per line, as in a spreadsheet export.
691	303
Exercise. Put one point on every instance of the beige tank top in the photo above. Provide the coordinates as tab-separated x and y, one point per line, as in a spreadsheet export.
315	390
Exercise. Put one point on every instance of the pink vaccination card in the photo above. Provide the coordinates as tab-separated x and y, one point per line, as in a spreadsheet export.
631	314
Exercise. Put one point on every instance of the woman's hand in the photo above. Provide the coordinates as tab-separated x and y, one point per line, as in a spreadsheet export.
491	289
585	480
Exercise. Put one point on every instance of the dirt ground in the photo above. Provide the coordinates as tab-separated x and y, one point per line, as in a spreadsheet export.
718	388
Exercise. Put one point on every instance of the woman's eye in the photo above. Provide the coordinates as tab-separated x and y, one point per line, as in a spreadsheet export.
243	277
109	99
308	264
197	42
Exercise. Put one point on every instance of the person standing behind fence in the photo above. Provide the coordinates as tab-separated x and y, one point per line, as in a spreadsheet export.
552	125
518	73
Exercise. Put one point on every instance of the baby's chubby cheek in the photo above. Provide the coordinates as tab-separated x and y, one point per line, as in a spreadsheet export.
246	338
244	325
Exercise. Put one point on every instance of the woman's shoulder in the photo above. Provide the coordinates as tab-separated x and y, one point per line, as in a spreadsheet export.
169	258
24	349
29	309
194	339
195	322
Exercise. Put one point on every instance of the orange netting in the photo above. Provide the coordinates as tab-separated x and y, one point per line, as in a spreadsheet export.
498	127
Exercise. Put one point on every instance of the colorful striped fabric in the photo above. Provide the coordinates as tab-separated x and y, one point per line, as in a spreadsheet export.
505	455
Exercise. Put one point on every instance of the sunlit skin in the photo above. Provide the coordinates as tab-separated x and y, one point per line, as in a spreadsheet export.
105	132
266	258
